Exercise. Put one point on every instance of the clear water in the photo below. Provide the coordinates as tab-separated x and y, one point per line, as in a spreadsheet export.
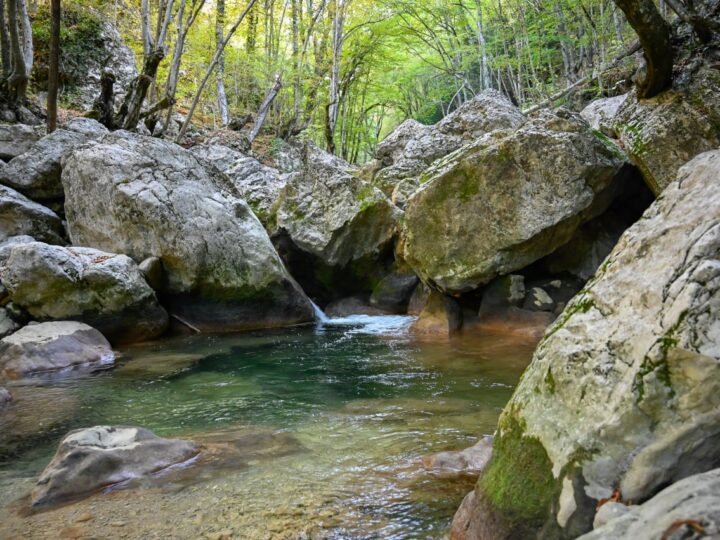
329	423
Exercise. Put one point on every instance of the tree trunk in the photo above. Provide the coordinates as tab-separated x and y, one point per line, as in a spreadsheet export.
654	33
4	43
210	69
265	108
27	42
18	81
54	65
333	106
703	27
129	114
222	95
103	109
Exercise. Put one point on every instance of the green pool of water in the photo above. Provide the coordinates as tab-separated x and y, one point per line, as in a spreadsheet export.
351	408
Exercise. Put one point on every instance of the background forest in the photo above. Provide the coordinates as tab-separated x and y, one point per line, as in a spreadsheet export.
345	72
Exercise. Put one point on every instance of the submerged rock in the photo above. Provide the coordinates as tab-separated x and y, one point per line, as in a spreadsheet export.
47	348
353	305
151	198
102	289
21	216
473	459
622	393
91	459
5	397
661	134
36	173
689	508
507	200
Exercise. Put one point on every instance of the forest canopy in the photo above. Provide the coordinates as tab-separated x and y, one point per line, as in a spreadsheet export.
345	72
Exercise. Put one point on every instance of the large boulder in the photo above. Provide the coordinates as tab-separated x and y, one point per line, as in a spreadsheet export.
258	184
150	198
334	230
601	113
16	139
20	216
689	508
662	133
412	147
102	289
91	459
36	173
49	348
623	393
507	200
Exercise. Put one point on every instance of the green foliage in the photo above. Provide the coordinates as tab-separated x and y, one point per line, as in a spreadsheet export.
81	43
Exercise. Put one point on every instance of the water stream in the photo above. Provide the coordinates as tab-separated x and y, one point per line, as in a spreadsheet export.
331	423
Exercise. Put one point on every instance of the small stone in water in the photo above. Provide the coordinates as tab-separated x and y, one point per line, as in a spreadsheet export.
84	517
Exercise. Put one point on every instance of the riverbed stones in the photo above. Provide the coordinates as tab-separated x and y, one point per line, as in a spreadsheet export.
151	198
21	216
689	508
622	394
662	133
88	460
36	173
440	317
5	397
49	348
507	200
102	289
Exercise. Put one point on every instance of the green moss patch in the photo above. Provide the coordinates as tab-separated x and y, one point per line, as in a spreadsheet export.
518	482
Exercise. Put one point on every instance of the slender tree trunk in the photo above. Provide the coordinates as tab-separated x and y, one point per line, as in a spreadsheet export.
211	67
129	114
222	95
54	65
265	108
5	55
18	81
654	34
27	42
333	106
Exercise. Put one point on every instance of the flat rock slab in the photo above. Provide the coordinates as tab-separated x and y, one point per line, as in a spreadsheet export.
48	348
91	459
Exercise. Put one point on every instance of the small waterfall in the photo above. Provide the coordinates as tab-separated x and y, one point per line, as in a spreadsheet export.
319	313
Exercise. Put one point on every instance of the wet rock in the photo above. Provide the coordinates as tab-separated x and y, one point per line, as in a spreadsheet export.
21	216
661	134
441	316
36	173
393	293
601	113
412	147
354	305
689	508
91	459
16	139
102	289
48	348
418	299
527	191
621	393
538	299
473	459
151	198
